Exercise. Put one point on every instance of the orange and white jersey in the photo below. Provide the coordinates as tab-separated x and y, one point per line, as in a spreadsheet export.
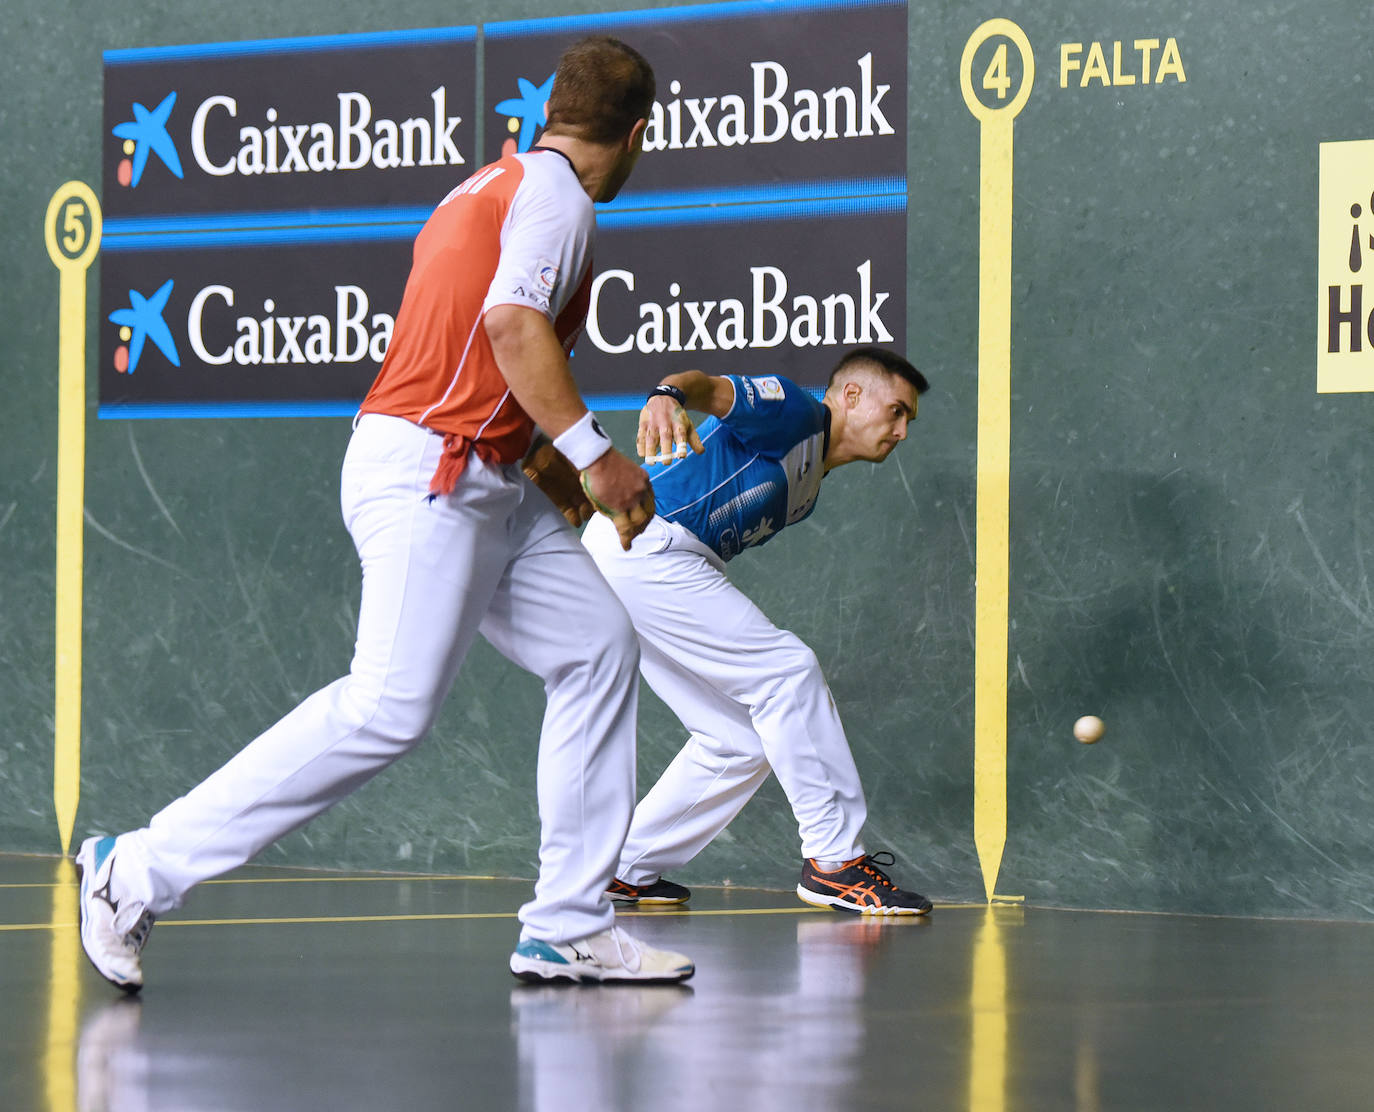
518	232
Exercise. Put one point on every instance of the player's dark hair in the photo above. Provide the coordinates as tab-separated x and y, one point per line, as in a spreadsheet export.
601	87
887	361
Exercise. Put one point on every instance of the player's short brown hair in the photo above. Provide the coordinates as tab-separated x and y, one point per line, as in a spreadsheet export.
601	87
888	362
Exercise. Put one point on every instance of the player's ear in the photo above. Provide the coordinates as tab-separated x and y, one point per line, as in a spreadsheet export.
852	392
636	137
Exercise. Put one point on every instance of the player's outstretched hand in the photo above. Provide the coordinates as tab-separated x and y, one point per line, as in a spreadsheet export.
550	471
666	431
620	489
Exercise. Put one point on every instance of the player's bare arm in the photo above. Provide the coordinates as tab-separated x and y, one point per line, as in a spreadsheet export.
532	362
665	429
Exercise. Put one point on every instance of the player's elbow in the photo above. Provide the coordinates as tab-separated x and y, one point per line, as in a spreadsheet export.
511	327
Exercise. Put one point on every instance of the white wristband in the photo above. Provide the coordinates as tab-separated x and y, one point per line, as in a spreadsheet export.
584	442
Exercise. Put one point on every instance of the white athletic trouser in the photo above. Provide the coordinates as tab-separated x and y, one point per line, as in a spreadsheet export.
493	557
751	694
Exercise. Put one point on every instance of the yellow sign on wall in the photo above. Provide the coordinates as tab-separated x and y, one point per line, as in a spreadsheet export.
1345	268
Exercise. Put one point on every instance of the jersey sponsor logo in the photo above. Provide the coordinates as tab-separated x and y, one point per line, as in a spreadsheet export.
758	533
546	277
474	184
769	388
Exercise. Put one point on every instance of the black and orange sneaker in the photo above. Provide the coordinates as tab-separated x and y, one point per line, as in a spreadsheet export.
659	892
861	886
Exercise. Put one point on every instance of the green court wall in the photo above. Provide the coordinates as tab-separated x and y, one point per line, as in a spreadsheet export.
1188	526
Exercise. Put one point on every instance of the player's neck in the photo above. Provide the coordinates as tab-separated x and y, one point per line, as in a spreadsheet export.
835	453
591	162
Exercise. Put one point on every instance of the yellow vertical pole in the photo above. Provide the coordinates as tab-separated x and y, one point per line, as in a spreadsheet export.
992	564
72	229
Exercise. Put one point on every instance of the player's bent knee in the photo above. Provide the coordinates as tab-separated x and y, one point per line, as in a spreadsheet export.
800	662
610	652
398	721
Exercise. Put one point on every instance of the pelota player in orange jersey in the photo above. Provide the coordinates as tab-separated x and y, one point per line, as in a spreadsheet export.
454	540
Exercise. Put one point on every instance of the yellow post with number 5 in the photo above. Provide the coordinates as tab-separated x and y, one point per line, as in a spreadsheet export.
72	229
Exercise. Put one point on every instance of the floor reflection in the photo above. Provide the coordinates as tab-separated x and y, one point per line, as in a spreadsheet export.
111	1069
64	990
793	1043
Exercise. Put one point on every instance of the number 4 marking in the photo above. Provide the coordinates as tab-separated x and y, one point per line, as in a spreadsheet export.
996	76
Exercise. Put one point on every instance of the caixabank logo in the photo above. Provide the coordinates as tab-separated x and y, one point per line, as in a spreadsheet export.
143	136
328	122
1345	267
201	330
786	295
748	93
765	224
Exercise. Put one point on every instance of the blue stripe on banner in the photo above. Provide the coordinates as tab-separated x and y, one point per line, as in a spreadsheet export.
749	213
775	201
309	218
691	13
821	208
299	45
261	237
771	191
201	411
152	411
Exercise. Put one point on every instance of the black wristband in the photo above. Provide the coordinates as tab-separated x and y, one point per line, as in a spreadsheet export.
669	392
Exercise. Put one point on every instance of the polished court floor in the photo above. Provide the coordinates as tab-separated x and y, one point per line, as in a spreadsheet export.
299	991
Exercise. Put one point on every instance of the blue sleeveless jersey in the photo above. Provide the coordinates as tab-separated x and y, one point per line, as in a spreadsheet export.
761	470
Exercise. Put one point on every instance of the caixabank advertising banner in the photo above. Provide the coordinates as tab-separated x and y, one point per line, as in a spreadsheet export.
765	225
276	329
261	199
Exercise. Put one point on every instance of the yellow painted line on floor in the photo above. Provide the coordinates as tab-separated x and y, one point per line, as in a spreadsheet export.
71	229
271	921
310	880
993	558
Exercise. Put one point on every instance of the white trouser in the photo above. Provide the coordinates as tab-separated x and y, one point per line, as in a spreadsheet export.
493	557
751	694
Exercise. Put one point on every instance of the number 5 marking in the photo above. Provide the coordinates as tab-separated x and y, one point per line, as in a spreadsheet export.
71	229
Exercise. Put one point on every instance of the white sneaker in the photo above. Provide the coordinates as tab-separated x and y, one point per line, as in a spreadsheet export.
112	933
611	955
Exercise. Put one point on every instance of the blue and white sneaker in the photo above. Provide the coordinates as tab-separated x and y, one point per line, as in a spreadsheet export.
611	955
113	932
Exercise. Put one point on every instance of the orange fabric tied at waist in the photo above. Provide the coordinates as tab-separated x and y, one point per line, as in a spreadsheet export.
454	462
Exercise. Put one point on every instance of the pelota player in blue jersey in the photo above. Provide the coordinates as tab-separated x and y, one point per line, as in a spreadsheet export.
752	695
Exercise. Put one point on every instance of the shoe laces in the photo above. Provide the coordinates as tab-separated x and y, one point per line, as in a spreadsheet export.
627	948
136	934
870	863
